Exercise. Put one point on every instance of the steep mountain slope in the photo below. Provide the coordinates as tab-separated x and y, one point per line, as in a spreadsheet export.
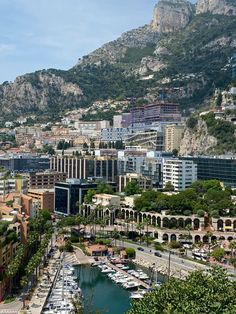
181	55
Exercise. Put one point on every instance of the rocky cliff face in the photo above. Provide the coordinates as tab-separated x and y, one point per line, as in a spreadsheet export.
171	15
225	7
197	141
115	50
38	92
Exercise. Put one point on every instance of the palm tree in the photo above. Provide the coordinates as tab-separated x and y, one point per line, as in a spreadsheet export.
232	246
146	222
140	227
209	236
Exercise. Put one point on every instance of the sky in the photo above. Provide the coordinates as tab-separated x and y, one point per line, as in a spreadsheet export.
42	34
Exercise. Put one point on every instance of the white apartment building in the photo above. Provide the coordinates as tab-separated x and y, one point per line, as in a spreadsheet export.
180	173
13	185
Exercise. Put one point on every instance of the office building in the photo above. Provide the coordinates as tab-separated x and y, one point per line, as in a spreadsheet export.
24	163
222	168
86	167
180	173
173	136
45	180
69	194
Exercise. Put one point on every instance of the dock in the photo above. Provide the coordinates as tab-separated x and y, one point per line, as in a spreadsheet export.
142	283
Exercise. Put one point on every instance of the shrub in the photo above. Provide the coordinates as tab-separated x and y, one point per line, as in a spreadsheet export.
174	245
130	252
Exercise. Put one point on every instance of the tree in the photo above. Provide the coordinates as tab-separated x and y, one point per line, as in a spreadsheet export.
104	188
169	186
89	196
218	254
130	252
205	293
132	188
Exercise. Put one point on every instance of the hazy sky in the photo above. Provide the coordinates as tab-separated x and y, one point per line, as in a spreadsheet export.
41	34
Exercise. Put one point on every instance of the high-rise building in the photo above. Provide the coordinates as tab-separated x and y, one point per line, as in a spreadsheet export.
144	116
180	173
86	167
173	136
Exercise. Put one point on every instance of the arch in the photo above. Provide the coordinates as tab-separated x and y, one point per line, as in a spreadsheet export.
213	238
230	238
140	216
135	216
197	238
228	225
180	223
156	234
127	214
173	223
222	238
165	237
131	215
107	212
173	237
154	220
149	217
220	225
187	222
144	216
196	224
205	239
165	222
158	221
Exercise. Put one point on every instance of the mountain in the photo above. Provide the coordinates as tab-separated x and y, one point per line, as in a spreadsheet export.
182	55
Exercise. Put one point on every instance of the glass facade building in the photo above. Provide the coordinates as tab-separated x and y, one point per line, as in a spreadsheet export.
222	169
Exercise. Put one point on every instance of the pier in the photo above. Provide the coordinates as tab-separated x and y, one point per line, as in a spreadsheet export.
141	282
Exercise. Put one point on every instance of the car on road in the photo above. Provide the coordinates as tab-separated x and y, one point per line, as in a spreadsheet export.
140	248
157	254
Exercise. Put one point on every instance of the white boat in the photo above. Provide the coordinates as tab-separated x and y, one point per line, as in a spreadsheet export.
108	270
131	285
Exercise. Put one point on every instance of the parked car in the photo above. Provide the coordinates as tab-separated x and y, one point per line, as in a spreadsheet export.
157	254
140	248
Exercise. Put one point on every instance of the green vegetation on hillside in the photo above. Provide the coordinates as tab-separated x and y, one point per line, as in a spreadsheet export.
135	54
224	131
101	82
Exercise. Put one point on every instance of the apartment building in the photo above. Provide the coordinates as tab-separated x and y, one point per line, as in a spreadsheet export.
180	173
13	185
146	115
143	182
45	198
173	135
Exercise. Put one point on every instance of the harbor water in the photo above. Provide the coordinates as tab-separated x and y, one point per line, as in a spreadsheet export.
101	293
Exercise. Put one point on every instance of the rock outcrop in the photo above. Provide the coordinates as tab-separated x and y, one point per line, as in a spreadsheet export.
225	7
171	15
197	141
38	92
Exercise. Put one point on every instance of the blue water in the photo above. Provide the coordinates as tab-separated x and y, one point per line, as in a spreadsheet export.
101	293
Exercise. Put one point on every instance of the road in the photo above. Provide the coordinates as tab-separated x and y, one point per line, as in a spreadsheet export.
177	264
